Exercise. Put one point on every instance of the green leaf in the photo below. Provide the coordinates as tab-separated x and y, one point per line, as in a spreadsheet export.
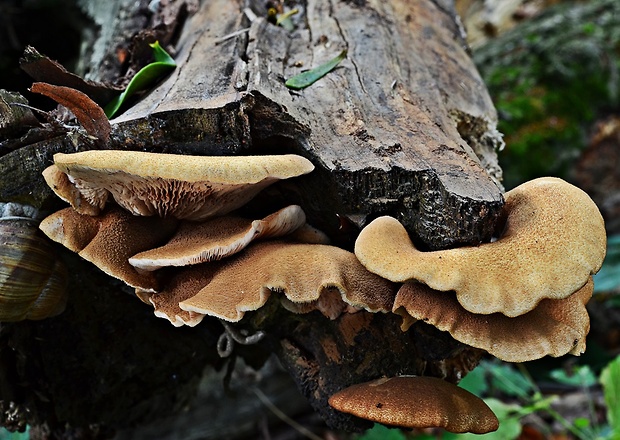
285	21
475	382
509	416
7	435
581	423
580	376
145	78
608	278
610	380
309	77
510	381
380	432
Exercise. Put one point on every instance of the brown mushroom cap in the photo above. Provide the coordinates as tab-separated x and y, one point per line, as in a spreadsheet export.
555	327
185	187
217	238
330	304
554	239
108	240
184	284
416	402
301	271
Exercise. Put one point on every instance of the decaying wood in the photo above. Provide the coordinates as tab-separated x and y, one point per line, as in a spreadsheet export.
403	126
324	356
383	128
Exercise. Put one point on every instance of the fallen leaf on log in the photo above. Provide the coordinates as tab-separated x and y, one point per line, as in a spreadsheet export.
87	111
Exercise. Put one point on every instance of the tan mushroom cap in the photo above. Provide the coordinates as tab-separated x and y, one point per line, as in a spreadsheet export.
330	304
555	327
108	240
185	187
308	234
217	238
184	284
416	402
59	182
301	271
554	239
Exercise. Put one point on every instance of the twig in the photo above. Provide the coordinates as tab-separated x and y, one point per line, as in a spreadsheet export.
231	35
286	419
226	342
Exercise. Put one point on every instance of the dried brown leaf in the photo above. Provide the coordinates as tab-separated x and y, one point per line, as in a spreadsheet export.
87	111
42	68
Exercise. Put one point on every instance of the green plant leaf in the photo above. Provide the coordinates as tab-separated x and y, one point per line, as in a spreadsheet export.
608	278
380	432
7	435
610	380
510	381
509	416
582	423
145	78
309	77
580	376
475	382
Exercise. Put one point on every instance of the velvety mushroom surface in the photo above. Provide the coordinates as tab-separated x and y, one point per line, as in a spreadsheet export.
302	272
183	284
553	240
213	239
185	187
555	327
416	402
108	240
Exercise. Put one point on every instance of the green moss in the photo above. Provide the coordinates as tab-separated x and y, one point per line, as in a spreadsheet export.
550	78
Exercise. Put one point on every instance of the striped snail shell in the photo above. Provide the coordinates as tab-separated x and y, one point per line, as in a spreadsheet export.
32	280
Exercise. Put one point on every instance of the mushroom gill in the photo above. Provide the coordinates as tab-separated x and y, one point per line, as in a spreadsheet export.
167	185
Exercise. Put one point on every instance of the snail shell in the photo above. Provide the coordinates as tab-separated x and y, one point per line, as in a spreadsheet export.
32	280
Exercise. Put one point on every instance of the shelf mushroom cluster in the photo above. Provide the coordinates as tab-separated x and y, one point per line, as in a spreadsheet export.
520	297
172	235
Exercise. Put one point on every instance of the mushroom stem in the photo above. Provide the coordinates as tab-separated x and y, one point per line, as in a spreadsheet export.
226	341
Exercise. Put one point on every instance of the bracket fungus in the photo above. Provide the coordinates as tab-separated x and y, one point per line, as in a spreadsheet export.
109	239
184	284
214	239
555	327
553	240
302	272
416	402
185	187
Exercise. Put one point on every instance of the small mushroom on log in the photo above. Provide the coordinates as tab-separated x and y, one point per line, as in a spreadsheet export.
417	402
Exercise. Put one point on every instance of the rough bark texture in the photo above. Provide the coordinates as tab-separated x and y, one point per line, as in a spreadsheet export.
403	126
383	128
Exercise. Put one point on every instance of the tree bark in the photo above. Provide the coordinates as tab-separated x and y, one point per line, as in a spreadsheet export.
383	128
404	126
